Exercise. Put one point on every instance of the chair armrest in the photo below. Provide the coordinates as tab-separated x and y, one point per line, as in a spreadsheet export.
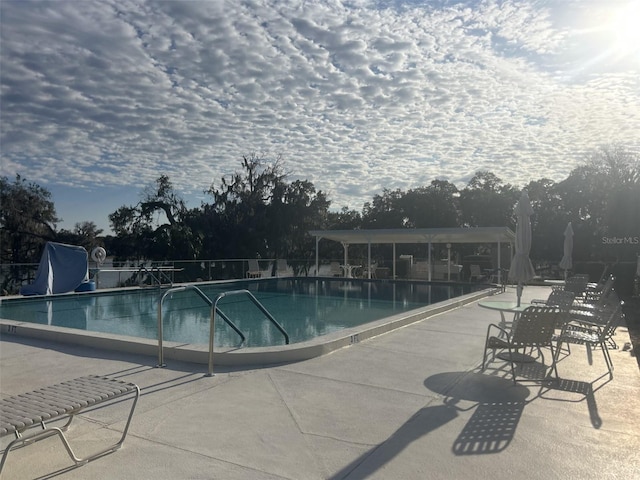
493	325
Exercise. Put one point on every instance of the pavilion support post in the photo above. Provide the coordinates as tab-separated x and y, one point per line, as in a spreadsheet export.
499	264
317	256
346	253
394	261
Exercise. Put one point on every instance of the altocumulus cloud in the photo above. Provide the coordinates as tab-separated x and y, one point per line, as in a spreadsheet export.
355	96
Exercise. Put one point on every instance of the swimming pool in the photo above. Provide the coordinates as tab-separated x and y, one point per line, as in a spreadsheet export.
307	308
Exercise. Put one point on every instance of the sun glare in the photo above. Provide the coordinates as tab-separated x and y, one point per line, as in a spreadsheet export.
625	29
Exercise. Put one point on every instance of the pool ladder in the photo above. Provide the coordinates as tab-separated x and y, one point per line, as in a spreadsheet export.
213	304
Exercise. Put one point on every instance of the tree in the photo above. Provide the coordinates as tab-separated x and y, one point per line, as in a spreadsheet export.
487	202
303	209
157	228
27	221
549	222
602	197
434	206
385	211
241	204
84	233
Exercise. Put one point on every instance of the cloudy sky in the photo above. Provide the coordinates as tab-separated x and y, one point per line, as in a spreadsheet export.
101	97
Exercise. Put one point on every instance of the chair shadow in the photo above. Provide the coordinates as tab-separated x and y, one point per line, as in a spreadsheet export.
498	404
584	390
490	429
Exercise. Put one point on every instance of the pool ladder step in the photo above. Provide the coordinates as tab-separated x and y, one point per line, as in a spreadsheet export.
213	304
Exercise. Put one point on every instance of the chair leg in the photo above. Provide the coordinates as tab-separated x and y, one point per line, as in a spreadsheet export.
554	367
607	357
513	368
484	358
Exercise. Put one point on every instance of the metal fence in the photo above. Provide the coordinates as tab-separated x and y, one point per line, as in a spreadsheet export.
112	274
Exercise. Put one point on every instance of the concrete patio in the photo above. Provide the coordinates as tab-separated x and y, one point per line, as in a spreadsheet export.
410	404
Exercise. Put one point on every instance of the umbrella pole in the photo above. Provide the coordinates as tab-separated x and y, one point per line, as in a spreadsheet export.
519	292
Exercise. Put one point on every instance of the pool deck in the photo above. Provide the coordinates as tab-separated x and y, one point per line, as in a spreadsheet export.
409	404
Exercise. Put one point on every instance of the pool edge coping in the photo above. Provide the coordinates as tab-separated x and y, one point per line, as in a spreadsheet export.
247	356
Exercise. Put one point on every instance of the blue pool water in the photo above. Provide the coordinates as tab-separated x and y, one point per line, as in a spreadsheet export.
305	307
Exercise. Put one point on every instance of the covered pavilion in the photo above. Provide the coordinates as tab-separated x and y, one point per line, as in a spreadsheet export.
393	236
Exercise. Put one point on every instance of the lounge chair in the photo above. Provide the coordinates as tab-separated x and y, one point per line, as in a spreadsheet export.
563	299
594	334
283	269
21	415
597	298
534	328
577	284
254	269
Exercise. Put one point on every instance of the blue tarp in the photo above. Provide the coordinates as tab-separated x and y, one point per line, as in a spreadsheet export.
62	269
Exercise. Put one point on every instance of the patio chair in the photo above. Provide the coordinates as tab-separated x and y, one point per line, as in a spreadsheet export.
590	312
335	270
254	269
604	277
283	269
475	274
599	297
594	334
534	328
366	271
563	299
577	284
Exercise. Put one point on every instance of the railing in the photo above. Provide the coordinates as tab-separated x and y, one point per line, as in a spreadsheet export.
214	309
111	274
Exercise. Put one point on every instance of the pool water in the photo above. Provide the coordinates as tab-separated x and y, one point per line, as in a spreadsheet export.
305	307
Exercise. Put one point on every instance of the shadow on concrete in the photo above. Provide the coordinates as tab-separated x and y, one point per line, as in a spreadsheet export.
498	404
490	429
554	390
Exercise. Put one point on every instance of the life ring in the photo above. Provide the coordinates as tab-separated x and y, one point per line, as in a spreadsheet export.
99	255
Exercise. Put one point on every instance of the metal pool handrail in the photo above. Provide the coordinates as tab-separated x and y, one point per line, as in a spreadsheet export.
202	295
214	308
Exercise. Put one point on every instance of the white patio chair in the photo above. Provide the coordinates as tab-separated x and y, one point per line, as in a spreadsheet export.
475	274
283	269
254	269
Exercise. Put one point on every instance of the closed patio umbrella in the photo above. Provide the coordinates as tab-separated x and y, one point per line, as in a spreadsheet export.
566	263
521	270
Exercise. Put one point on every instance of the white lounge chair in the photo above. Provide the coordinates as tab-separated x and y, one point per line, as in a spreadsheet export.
254	269
283	269
29	416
